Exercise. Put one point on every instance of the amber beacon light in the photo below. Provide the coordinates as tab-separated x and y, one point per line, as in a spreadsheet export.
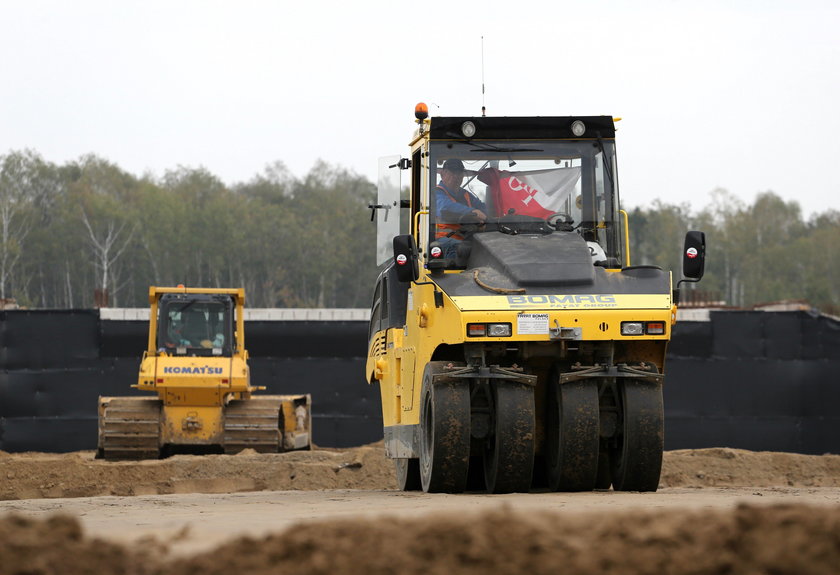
421	111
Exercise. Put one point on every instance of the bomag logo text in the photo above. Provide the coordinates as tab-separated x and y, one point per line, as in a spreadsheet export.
561	300
203	370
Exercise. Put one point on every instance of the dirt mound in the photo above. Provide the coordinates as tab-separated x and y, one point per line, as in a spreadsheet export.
57	545
777	539
789	539
79	474
724	467
50	475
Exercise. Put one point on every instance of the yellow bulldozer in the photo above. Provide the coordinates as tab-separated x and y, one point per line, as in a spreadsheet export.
197	364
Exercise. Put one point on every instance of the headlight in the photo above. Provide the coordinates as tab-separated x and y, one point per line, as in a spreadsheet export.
498	330
632	328
578	128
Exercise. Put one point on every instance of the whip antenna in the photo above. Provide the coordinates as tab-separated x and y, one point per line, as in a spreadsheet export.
483	109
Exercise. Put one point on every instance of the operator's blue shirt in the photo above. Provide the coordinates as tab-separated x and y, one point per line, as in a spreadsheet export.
449	211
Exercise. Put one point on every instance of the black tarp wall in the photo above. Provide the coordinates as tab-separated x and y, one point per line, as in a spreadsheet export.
752	380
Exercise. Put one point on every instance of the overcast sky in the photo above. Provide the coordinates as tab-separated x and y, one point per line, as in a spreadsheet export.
735	94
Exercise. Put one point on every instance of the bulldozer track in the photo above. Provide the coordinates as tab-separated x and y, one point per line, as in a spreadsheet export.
129	428
253	424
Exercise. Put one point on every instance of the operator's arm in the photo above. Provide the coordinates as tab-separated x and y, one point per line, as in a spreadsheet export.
477	211
449	211
478	204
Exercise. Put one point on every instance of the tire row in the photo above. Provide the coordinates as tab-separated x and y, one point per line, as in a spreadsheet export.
598	433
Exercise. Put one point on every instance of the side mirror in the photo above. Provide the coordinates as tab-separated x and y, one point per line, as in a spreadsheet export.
694	255
406	258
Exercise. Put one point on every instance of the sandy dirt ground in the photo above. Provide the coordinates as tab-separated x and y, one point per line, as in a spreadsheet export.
336	511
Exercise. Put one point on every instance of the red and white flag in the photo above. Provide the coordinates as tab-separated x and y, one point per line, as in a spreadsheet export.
537	193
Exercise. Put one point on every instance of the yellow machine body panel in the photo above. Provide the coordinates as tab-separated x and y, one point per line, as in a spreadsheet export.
192	425
194	381
397	356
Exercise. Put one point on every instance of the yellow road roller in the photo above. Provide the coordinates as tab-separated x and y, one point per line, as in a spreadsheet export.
513	341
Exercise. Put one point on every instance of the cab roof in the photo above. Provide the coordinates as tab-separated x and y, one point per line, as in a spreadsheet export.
521	127
155	292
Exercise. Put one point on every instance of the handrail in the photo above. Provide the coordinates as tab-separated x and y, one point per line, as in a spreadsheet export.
417	223
626	237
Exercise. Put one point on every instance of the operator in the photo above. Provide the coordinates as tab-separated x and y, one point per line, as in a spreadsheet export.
194	332
454	206
173	335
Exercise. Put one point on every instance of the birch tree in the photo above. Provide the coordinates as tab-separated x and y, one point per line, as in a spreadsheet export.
24	180
107	245
105	195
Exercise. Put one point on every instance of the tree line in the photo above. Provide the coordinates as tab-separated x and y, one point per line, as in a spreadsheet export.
755	254
88	233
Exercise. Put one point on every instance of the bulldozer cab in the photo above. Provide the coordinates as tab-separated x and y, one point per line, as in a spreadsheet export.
196	324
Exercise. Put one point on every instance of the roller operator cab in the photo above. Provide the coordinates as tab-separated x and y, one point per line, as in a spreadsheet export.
513	342
197	365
